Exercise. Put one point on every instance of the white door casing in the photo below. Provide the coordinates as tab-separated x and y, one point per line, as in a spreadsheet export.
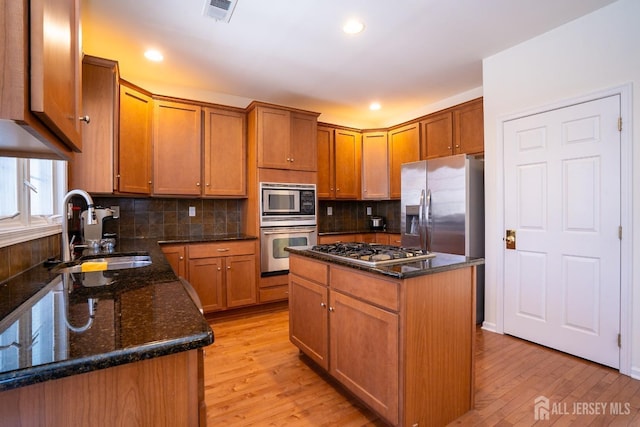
562	197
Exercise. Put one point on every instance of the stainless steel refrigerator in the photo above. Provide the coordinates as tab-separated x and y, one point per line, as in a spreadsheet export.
442	209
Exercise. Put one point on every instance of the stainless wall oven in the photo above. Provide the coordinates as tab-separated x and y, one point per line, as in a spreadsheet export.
287	218
274	259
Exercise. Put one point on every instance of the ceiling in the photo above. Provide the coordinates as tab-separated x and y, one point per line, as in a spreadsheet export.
412	55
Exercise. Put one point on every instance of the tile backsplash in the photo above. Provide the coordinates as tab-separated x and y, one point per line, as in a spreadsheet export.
351	216
162	218
17	258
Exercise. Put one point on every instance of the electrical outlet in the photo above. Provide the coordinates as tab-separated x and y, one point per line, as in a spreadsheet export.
192	211
329	210
368	210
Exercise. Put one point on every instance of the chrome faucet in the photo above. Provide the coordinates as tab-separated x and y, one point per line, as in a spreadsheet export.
91	219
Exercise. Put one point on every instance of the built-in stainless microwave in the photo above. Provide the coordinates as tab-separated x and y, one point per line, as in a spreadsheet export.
286	204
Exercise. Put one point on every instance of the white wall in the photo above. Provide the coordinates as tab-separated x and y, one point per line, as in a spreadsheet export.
593	53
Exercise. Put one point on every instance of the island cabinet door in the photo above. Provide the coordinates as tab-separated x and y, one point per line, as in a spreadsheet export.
308	319
364	352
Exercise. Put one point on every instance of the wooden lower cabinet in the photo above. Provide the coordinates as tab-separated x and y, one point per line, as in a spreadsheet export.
222	273
309	330
404	347
162	391
176	255
364	352
224	282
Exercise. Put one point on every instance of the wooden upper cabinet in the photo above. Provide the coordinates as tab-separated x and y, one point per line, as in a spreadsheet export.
404	147
93	169
458	130
468	132
56	76
347	158
303	142
225	153
437	135
134	141
274	133
285	139
40	78
375	166
177	140
325	188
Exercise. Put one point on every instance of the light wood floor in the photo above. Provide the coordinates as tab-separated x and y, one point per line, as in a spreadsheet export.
255	376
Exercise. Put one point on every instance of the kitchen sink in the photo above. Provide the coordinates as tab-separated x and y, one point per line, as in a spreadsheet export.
104	262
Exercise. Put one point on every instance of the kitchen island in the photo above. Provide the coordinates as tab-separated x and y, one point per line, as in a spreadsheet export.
102	348
400	337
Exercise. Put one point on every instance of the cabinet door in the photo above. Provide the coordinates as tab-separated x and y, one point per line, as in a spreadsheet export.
469	128
302	147
56	80
395	239
326	174
177	138
308	319
404	147
225	153
375	166
364	352
241	280
347	164
437	135
206	275
175	255
93	169
134	142
274	134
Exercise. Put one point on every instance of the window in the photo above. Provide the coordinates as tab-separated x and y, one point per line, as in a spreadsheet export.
30	194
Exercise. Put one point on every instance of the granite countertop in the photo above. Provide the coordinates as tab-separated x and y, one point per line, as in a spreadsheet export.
141	313
439	263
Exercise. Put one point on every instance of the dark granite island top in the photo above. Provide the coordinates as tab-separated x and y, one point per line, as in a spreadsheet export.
439	263
141	313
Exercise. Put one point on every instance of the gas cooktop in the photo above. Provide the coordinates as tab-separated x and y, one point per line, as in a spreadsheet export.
371	254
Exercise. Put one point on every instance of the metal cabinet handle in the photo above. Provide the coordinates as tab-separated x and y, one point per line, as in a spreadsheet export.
85	119
223	249
228	267
323	305
331	309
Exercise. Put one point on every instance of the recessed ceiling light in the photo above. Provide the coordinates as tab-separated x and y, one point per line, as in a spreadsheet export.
153	55
353	26
374	106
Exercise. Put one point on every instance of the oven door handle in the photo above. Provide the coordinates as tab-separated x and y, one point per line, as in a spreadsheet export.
288	230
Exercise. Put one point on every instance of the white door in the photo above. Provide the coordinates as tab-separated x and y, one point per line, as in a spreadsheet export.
562	199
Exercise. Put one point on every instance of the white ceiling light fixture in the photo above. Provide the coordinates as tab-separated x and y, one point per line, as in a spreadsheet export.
353	26
375	106
153	55
220	10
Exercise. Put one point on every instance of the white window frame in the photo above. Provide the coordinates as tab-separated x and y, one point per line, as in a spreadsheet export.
25	227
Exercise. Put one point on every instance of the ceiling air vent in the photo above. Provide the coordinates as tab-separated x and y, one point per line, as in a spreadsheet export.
220	10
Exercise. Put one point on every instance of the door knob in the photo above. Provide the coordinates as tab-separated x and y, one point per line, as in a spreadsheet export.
510	239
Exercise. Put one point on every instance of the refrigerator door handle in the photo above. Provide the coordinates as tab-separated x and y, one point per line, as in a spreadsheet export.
422	209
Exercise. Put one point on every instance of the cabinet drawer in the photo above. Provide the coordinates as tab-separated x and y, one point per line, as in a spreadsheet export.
316	271
274	293
383	293
207	250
